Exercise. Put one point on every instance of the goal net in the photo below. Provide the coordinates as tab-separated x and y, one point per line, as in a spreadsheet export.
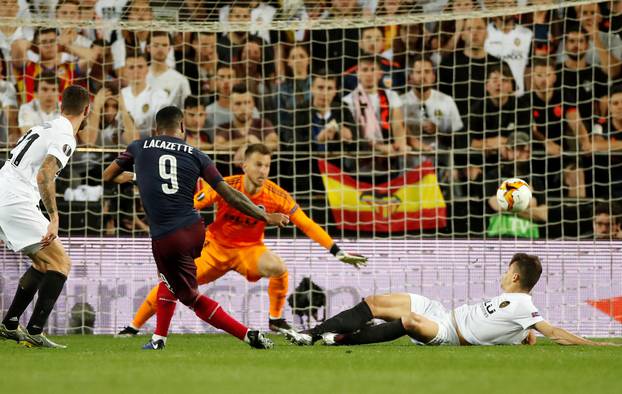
392	123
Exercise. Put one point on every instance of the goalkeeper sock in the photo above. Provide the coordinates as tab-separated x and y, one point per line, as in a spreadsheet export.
347	321
384	332
146	310
277	291
51	287
26	290
210	312
166	303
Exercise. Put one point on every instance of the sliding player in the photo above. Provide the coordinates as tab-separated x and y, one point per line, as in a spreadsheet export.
234	241
503	320
167	170
27	177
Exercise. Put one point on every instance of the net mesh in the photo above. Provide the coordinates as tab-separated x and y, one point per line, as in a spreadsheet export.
392	123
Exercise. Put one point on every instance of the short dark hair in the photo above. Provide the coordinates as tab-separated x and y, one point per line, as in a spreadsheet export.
256	148
240	88
325	73
169	118
612	209
615	89
43	30
63	2
132	52
540	61
75	100
47	76
158	33
529	269
421	58
375	59
192	102
503	69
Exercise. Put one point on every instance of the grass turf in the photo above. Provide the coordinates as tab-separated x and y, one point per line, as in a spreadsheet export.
221	364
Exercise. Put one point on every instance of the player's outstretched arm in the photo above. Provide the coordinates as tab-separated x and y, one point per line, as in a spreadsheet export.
239	201
563	337
317	233
46	180
114	173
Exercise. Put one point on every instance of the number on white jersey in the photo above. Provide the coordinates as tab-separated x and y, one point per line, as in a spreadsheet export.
28	138
169	174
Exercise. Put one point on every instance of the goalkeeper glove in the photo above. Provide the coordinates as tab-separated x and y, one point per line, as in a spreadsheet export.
353	259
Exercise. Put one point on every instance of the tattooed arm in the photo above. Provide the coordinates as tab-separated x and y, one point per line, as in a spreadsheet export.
46	179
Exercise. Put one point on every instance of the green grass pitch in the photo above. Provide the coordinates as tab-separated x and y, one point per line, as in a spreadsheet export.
221	364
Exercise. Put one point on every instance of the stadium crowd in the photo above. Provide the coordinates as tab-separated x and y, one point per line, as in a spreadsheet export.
536	96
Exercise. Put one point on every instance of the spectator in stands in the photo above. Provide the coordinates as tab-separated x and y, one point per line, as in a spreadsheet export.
308	11
135	11
450	32
430	115
605	48
462	73
142	100
160	75
196	11
389	8
44	106
606	139
9	132
198	63
379	115
336	49
230	43
516	163
219	112
295	88
509	41
410	41
372	44
49	60
493	118
76	46
585	83
607	222
256	71
194	124
14	41
110	120
324	121
102	71
244	129
547	26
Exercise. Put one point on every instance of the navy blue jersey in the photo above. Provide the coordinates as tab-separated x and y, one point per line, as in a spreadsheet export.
167	170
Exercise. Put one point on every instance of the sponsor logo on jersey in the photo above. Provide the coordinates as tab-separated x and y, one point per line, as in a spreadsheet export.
504	304
67	150
146	108
535	314
201	196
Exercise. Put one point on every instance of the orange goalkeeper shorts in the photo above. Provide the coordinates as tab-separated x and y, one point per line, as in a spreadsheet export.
217	260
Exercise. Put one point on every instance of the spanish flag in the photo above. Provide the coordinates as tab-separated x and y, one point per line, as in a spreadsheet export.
412	201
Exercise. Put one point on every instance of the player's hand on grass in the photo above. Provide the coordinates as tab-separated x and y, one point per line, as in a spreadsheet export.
353	259
52	233
530	339
277	219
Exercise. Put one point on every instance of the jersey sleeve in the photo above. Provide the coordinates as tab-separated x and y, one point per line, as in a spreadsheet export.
126	159
205	197
209	172
62	147
527	315
311	229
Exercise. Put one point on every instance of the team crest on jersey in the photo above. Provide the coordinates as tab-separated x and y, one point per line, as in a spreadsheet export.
517	42
146	108
67	150
438	113
504	304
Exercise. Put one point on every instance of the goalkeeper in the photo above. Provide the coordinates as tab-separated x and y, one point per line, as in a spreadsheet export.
234	241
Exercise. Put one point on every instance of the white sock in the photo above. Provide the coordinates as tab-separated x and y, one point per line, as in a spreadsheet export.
274	318
155	337
134	327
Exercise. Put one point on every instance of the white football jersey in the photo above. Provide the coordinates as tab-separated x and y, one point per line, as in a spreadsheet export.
144	107
503	320
513	48
19	173
173	83
439	108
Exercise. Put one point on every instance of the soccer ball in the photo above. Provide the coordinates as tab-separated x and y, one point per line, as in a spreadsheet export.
514	195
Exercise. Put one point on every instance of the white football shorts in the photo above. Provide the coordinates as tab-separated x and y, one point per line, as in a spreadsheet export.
22	225
436	312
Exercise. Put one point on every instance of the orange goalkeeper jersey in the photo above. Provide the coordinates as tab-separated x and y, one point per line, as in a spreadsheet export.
231	228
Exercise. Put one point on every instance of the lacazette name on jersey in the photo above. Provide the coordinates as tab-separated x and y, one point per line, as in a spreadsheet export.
161	144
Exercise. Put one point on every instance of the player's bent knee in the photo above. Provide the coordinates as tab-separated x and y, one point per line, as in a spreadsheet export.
412	322
188	297
273	267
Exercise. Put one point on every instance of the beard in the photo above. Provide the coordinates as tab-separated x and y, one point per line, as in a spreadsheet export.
575	56
82	124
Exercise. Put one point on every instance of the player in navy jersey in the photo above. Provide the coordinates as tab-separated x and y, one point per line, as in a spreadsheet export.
166	170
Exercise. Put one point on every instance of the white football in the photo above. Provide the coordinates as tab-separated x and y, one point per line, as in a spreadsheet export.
514	195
